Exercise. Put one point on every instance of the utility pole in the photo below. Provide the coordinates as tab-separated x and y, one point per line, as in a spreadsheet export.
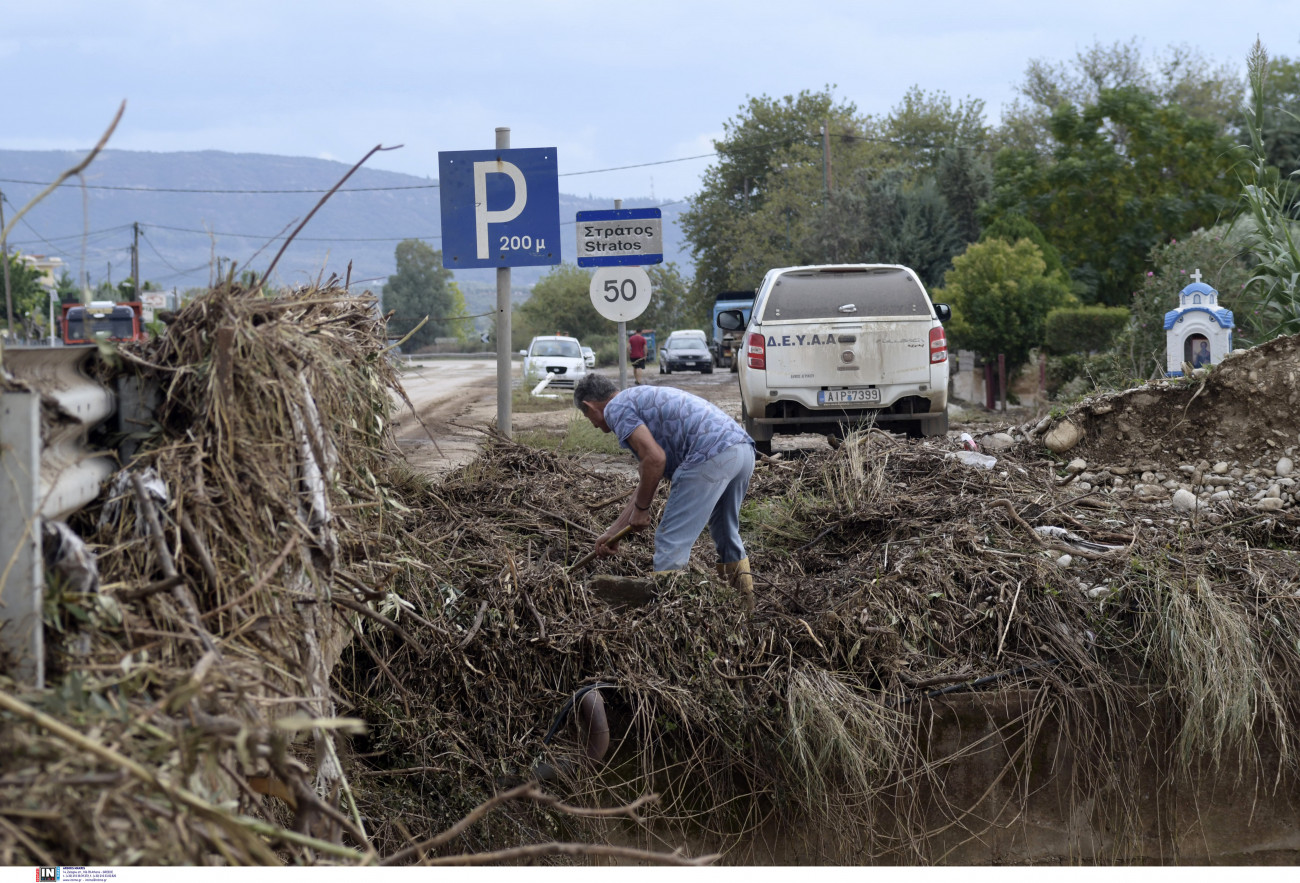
135	259
826	154
503	326
622	333
4	255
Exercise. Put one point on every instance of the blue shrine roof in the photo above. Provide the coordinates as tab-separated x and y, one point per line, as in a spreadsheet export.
1198	288
1219	314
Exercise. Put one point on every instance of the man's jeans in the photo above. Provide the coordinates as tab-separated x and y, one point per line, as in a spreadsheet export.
705	493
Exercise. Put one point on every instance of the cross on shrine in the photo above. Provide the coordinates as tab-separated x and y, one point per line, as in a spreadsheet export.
1196	277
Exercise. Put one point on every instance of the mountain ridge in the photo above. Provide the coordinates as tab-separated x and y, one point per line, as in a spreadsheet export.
184	231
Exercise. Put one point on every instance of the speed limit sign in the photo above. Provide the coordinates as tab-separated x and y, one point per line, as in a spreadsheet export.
620	293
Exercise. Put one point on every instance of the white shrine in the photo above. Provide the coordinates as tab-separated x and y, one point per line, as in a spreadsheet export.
1198	332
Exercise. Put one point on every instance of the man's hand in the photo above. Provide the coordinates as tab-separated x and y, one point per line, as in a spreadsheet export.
607	543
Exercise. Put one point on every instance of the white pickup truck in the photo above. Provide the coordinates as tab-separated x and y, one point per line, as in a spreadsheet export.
831	347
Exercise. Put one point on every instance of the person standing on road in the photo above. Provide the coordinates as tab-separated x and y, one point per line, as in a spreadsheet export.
636	354
706	455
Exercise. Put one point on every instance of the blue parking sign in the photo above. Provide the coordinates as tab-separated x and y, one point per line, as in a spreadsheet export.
500	208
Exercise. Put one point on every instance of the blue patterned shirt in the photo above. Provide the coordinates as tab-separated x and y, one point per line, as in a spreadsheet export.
688	428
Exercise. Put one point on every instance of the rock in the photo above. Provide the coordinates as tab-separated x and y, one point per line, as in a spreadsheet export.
1062	437
1076	465
1221	468
998	441
1184	500
1273	491
1284	466
1270	504
1099	593
1067	560
1220	496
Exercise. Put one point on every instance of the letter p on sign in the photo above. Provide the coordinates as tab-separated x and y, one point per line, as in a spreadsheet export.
500	208
483	217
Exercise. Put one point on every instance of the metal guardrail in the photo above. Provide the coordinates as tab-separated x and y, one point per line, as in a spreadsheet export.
48	406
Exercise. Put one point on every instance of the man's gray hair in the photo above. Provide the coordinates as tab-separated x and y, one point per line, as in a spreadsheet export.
593	388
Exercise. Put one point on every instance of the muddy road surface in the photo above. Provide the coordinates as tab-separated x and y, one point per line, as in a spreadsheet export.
456	400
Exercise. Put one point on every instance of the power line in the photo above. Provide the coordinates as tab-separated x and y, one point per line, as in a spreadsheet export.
168	264
278	236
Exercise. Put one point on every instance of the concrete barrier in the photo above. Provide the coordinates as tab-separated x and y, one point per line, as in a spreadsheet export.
48	406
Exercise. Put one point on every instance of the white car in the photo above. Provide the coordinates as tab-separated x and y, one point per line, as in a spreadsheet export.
561	357
830	347
588	357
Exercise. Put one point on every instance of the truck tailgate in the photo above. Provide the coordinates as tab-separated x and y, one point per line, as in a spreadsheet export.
829	354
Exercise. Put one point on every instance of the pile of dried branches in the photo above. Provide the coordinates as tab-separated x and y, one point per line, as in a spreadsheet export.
192	718
302	651
890	576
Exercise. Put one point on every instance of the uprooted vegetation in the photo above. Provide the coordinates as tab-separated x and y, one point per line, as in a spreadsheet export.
319	655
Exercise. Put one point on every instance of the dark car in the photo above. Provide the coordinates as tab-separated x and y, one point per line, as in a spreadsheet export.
685	353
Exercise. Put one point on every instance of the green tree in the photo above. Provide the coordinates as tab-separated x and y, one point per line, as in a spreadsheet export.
1000	295
30	301
1178	76
769	167
925	127
671	306
560	303
1125	175
888	220
1013	227
421	287
68	290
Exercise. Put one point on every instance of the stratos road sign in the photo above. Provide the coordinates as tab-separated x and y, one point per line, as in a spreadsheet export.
620	237
500	208
620	293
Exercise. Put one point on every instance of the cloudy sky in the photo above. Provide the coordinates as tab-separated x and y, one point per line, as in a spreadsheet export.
607	84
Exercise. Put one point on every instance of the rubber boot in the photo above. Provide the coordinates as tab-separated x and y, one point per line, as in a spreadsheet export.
738	576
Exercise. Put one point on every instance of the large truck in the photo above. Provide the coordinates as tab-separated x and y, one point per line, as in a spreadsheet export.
726	344
103	320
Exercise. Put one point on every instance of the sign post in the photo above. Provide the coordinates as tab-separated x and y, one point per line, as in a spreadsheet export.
622	238
500	208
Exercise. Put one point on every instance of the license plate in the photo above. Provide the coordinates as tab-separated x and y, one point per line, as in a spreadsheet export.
847	396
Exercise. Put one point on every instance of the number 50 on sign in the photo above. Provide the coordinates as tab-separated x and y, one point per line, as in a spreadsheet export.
620	293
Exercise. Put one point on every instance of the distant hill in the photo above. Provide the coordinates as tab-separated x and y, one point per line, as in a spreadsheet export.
176	250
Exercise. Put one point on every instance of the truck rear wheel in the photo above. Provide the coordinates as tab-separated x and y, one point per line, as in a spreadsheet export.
762	435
